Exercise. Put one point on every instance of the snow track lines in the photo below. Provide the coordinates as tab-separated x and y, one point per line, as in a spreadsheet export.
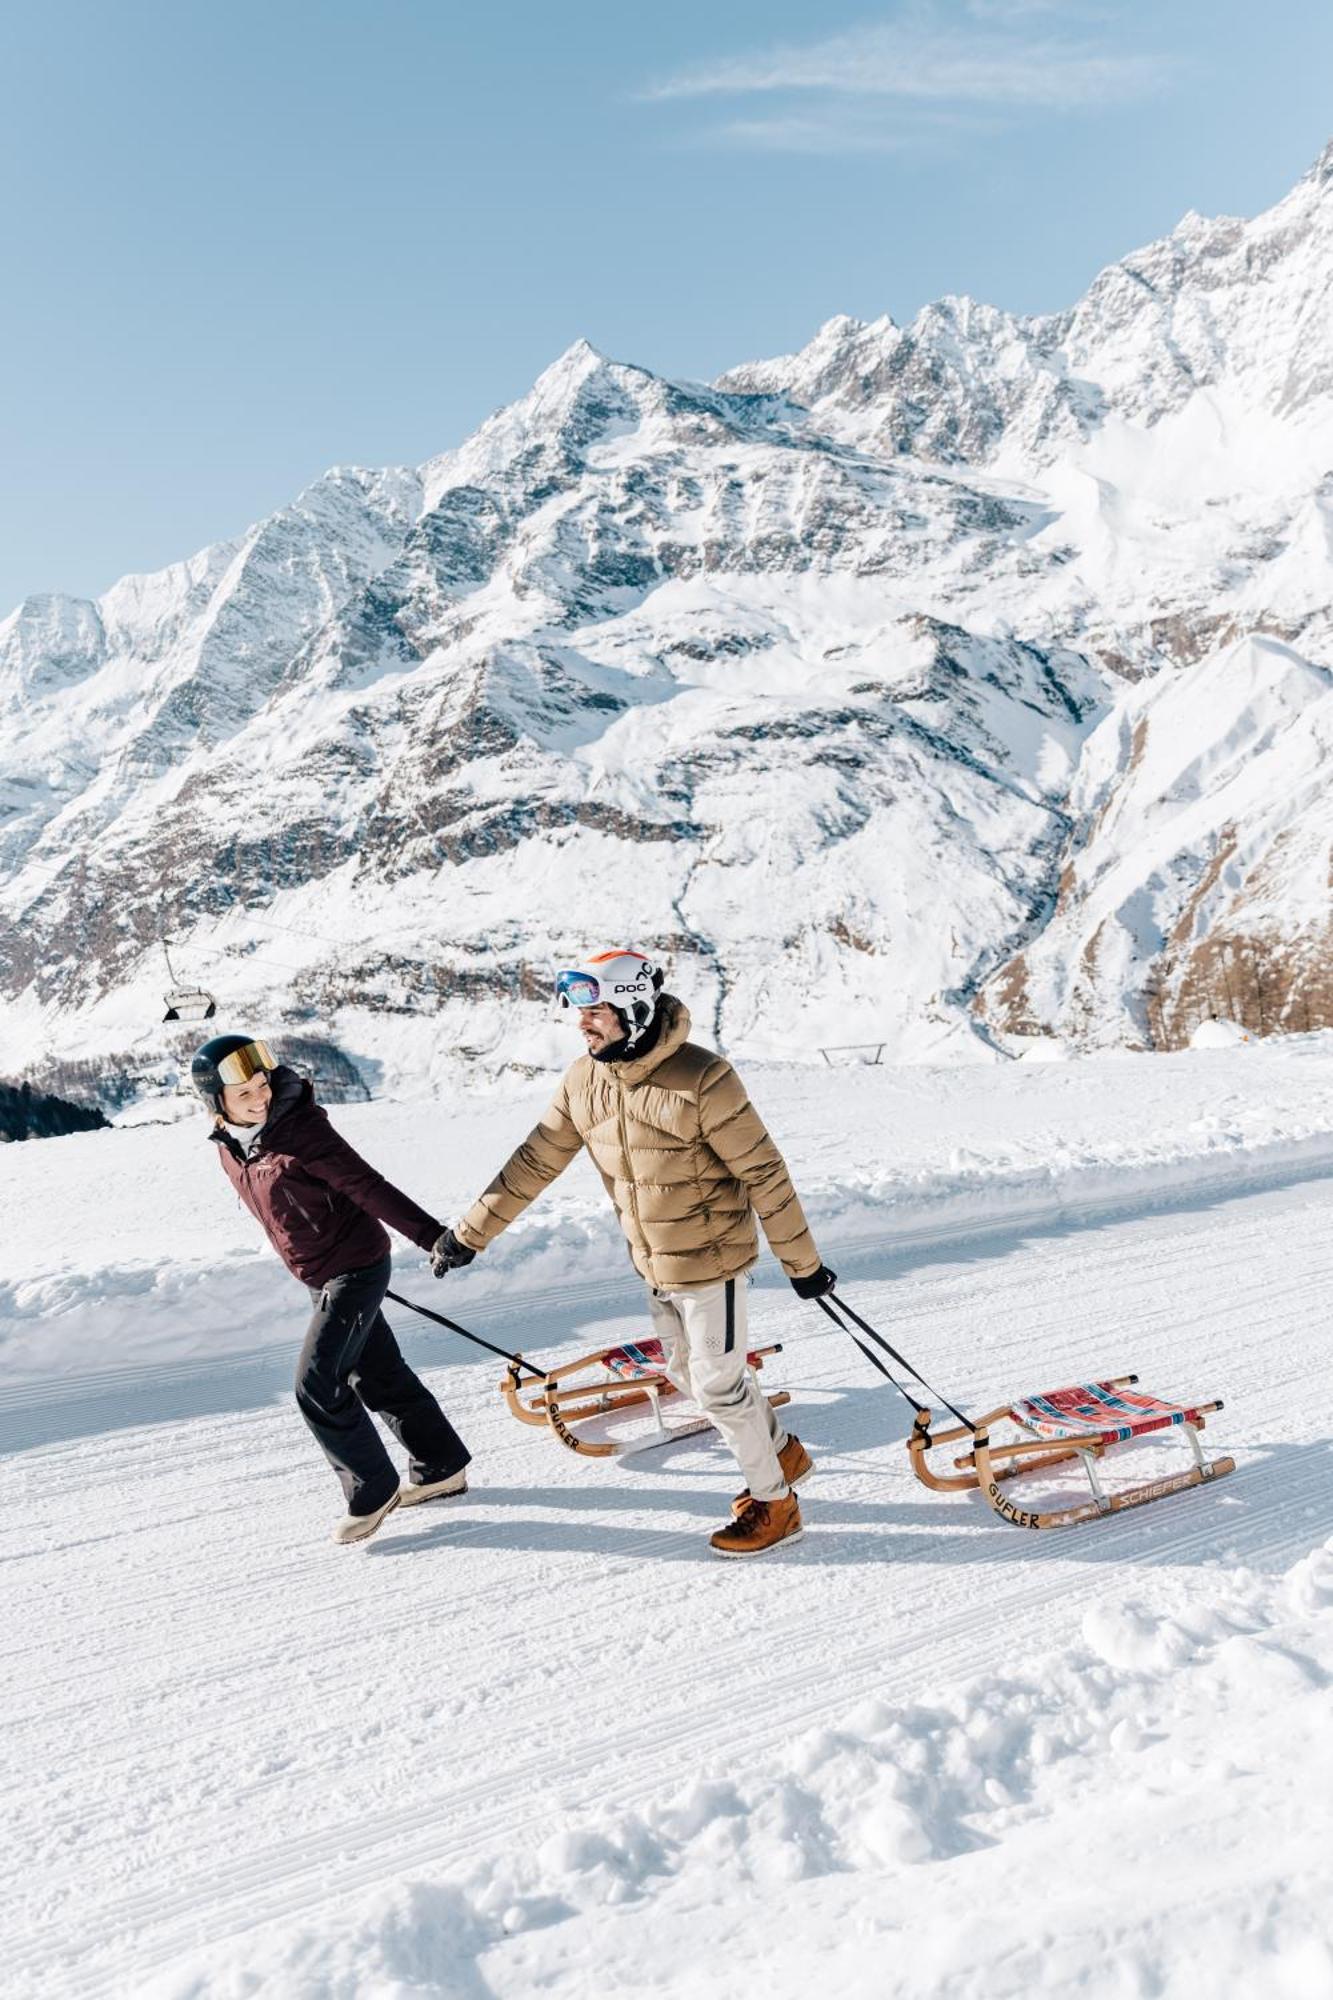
222	1719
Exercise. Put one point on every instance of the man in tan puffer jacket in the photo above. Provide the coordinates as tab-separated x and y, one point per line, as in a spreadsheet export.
688	1164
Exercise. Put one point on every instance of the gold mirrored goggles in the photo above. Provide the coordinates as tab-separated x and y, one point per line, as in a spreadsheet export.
244	1063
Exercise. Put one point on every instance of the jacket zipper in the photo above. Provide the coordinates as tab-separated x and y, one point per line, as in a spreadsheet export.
622	1124
307	1219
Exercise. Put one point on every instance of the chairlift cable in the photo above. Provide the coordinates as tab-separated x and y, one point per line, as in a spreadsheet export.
276	965
232	957
320	937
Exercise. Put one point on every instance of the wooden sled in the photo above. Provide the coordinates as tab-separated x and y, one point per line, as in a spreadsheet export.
1084	1423
631	1375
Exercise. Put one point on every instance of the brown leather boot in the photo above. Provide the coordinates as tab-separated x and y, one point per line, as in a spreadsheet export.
762	1526
796	1464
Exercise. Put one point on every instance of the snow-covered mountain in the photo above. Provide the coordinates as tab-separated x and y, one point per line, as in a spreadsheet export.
937	686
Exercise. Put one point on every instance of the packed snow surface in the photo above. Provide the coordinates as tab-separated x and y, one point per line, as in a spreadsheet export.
538	1739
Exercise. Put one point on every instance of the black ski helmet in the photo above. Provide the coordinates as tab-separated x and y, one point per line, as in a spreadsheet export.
228	1059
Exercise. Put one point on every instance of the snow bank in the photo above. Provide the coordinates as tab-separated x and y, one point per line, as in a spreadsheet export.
897	1853
540	1741
1217	1034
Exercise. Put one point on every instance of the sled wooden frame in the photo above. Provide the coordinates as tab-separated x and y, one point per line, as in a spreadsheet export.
558	1403
988	1462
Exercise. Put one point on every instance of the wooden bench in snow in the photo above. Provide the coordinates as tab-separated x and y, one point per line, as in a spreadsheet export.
1084	1423
604	1384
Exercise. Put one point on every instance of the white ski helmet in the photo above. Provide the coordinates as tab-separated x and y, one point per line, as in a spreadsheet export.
626	980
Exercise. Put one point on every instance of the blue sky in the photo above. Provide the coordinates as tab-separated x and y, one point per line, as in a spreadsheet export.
243	242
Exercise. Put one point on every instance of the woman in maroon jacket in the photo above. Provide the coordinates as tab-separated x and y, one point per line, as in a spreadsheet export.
323	1210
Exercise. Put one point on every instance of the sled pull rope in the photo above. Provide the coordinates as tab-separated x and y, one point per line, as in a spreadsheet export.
514	1360
829	1304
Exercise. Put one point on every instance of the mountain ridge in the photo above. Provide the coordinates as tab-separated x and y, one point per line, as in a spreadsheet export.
800	676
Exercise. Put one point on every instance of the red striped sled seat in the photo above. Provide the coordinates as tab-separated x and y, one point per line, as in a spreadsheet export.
1098	1412
647	1357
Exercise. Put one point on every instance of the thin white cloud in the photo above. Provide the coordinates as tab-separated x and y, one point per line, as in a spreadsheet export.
927	61
1020	10
820	133
840	128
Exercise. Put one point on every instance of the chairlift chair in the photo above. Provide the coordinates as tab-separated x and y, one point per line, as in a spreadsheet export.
185	1003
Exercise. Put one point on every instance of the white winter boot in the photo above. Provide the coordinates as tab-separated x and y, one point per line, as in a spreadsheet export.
360	1527
435	1489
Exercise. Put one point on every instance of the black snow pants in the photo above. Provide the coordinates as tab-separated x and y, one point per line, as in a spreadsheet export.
350	1364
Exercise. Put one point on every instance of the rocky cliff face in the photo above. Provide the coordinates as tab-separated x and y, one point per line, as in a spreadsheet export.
936	686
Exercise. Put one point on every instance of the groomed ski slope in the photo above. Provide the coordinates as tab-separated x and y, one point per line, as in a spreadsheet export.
541	1741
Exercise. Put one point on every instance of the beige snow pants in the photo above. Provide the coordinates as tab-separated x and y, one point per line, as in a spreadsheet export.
703	1332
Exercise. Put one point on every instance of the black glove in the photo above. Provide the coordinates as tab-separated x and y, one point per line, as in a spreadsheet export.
815	1283
448	1254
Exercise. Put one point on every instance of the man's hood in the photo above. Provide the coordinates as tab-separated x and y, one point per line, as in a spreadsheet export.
675	1033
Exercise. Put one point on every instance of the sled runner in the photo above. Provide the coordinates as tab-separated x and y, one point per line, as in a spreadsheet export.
1083	1422
634	1374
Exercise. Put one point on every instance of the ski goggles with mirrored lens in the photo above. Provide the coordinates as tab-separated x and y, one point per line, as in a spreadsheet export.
244	1063
577	989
